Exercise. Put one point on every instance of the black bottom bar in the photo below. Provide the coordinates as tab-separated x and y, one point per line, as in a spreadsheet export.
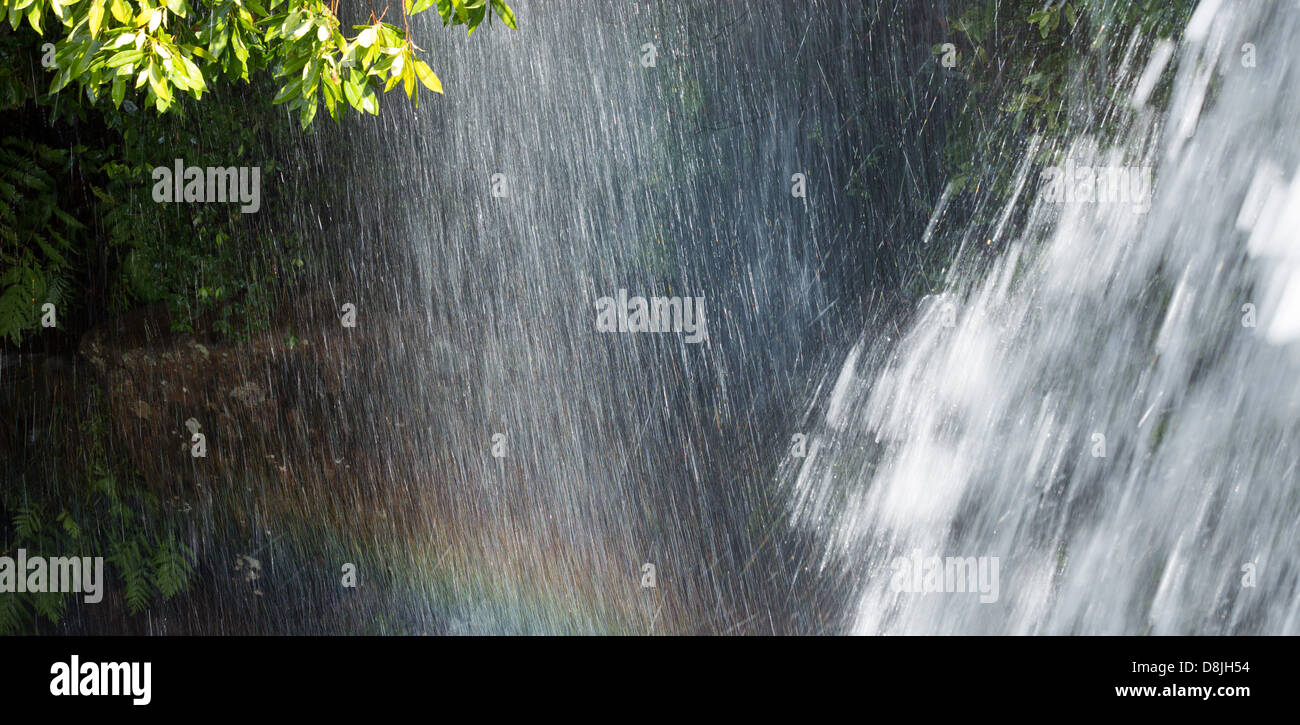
939	675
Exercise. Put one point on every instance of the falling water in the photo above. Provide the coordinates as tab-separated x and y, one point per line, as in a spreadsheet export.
538	464
1110	408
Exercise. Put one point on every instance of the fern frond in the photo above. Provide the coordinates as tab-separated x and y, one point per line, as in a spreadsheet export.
50	605
12	614
134	570
171	567
27	524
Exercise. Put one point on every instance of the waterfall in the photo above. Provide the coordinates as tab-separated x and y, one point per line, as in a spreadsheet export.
649	148
1108	411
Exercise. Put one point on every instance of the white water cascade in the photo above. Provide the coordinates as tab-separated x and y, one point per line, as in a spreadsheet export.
1111	409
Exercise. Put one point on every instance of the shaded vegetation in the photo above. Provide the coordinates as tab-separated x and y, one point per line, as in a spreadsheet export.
1043	70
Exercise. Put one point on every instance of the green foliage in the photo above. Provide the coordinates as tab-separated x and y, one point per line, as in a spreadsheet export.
77	226
1042	68
172	48
217	270
1029	54
143	552
36	235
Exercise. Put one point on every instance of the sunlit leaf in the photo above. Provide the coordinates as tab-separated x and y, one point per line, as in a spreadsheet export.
503	11
96	18
427	76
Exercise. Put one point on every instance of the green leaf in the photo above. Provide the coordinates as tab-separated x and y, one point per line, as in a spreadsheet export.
96	18
119	91
194	74
308	113
393	80
427	76
476	16
369	101
125	56
159	85
504	12
61	79
241	50
352	86
218	42
288	92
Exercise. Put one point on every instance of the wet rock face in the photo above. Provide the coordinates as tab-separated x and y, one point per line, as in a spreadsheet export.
195	412
310	419
372	435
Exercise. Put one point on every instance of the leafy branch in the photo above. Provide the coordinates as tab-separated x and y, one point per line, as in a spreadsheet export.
169	48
